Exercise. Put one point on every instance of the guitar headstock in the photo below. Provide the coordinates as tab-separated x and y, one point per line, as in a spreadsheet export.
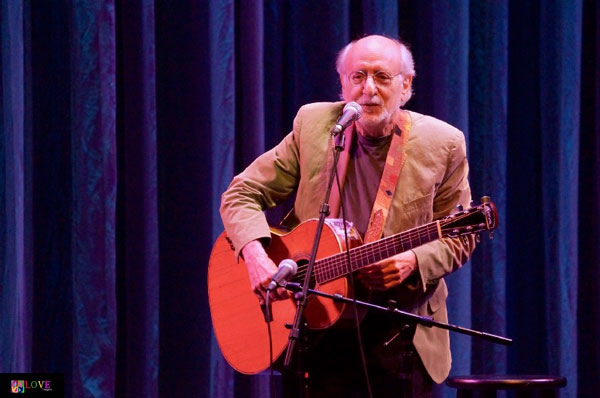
483	217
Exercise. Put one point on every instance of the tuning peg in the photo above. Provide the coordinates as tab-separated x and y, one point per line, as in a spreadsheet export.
459	207
485	199
491	234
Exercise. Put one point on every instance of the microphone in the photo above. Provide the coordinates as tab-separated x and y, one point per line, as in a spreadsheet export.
352	111
287	270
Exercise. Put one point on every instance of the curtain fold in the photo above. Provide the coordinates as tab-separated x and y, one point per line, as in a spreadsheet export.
524	222
15	197
185	181
560	66
137	202
48	103
121	123
488	95
94	190
588	288
227	152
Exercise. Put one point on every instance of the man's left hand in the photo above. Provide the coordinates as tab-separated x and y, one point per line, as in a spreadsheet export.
388	273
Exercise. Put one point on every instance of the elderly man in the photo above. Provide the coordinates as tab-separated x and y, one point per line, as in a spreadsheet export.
402	360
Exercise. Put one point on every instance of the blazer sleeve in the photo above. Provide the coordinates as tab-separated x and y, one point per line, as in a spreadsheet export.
441	257
267	181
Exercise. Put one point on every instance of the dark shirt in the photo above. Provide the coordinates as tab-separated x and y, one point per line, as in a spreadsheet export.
367	160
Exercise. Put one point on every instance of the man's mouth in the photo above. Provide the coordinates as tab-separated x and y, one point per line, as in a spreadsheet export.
370	106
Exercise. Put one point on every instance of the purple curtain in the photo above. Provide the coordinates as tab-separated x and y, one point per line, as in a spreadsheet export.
137	231
15	196
121	123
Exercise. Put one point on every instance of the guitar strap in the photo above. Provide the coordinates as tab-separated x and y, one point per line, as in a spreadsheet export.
391	171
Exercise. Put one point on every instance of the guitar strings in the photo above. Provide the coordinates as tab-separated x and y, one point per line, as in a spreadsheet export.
328	268
370	253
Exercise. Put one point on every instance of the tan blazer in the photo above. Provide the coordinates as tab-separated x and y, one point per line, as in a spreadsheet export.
433	181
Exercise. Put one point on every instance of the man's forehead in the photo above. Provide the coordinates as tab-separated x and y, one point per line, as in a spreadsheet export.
374	50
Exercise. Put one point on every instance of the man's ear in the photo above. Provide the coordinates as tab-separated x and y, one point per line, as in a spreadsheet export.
407	83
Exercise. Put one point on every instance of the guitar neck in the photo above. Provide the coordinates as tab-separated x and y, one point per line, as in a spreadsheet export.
336	266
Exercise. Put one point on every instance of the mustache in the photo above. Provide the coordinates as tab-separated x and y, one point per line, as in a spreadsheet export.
370	101
362	101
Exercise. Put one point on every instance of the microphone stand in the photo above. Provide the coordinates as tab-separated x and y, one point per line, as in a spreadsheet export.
323	213
424	320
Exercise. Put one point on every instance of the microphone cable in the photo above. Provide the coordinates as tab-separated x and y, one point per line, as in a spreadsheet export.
268	319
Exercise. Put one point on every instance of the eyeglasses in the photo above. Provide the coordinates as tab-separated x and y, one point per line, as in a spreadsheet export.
380	78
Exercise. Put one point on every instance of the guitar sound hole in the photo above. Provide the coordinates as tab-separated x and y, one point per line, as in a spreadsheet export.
299	278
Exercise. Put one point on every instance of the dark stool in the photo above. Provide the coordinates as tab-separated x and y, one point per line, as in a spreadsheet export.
524	386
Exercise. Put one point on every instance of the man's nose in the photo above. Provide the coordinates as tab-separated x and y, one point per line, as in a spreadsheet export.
369	87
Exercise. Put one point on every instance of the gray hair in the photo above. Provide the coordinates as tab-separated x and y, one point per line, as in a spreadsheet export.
406	57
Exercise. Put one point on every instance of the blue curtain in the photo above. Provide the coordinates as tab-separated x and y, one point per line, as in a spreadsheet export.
121	123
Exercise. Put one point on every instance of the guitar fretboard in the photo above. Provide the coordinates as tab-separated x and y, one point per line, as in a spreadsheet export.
336	266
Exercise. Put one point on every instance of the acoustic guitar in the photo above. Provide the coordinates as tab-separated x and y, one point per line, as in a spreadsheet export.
238	320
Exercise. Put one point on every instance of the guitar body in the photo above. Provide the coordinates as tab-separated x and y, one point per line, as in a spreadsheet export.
238	320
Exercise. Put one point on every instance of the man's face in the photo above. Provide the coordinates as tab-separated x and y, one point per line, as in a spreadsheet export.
379	101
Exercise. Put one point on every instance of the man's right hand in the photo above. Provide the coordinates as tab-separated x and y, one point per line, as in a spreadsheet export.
261	269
